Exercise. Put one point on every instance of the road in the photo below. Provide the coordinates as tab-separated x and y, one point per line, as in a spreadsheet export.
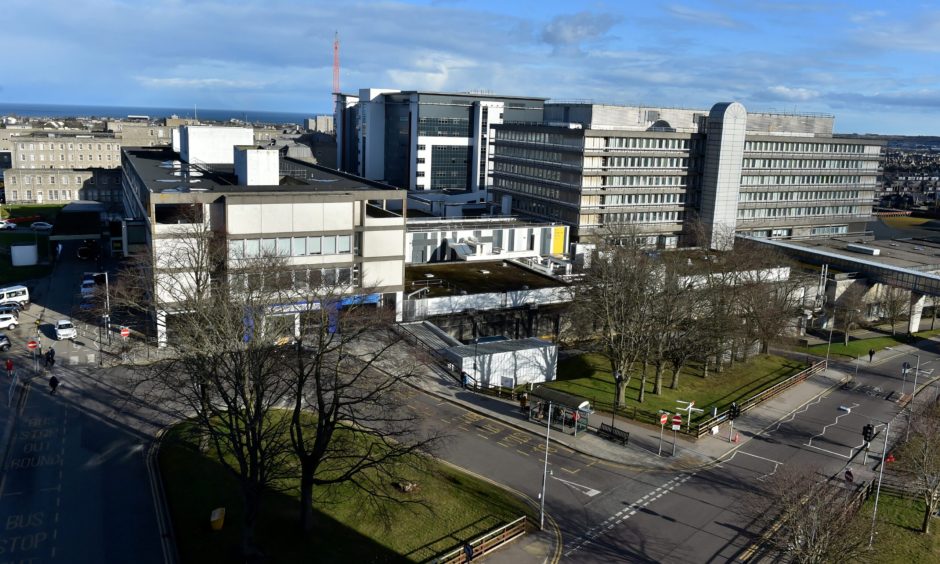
75	485
608	512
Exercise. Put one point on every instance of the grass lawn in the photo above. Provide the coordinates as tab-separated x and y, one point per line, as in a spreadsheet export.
860	347
589	376
898	539
901	221
460	507
47	211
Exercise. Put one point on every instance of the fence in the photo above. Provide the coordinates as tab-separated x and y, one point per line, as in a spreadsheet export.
704	427
485	544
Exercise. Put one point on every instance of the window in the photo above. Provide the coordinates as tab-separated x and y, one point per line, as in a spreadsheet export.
284	246
27	179
38	180
78	180
68	194
15	196
343	244
52	180
268	246
252	247
313	245
298	246
29	194
236	248
329	245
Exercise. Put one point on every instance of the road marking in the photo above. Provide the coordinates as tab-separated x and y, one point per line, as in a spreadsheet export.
522	452
608	524
586	490
794	413
810	443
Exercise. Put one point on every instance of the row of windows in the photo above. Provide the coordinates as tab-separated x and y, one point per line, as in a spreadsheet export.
809	164
539	137
301	279
831	230
81	146
643	217
794	147
781	180
646	162
547	192
53	195
797	212
444	127
645	143
527	170
641	199
31	179
791	196
290	246
539	208
535	154
644	180
764	233
81	158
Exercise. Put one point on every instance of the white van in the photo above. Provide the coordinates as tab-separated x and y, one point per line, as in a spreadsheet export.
17	294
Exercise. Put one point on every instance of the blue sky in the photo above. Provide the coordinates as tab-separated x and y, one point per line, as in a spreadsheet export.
874	65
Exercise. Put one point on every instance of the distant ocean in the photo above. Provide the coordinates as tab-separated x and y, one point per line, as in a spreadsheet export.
61	111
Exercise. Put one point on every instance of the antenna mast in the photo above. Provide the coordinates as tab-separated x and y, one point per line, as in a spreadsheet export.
336	62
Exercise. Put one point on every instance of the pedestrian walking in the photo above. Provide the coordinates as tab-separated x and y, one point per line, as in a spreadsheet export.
871	354
463	380
523	401
53	384
467	552
9	366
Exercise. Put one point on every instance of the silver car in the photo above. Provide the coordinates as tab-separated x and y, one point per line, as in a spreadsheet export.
65	330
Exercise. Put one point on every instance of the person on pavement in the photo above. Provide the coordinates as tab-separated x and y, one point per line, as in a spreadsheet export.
871	354
53	384
9	365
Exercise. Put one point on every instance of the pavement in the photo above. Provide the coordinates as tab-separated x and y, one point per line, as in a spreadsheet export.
692	456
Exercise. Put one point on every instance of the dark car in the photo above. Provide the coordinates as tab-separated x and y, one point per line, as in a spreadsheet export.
4	343
11	308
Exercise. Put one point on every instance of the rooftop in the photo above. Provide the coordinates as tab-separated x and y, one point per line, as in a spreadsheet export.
458	278
163	172
915	254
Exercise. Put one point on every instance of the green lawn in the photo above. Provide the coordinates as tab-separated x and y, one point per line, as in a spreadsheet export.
860	347
898	539
459	507
47	211
589	376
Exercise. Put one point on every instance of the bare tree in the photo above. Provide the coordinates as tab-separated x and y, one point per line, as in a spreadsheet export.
348	418
611	304
847	312
893	302
808	519
920	456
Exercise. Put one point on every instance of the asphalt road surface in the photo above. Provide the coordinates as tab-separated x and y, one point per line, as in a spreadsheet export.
612	513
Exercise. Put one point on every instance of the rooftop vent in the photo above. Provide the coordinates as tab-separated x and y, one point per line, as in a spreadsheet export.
863	249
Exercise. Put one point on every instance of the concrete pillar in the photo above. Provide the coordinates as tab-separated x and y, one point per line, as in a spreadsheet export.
161	328
917	308
399	306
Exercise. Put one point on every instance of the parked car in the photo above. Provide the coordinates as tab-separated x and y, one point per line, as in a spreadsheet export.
10	309
88	288
8	321
65	330
41	226
25	219
4	343
4	224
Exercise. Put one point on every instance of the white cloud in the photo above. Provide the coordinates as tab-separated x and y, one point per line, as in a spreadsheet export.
692	15
198	83
794	94
568	31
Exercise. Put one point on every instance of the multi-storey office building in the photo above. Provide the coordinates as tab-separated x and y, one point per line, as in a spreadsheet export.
328	226
62	185
659	170
424	140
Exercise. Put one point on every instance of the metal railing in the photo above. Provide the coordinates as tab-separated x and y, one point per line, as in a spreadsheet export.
484	544
703	427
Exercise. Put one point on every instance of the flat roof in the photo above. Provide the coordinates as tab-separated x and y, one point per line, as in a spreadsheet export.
162	170
458	278
921	254
496	347
435	223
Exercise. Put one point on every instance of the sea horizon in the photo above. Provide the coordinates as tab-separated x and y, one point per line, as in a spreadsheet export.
87	111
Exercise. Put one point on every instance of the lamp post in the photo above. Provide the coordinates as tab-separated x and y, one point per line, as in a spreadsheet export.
881	472
548	428
107	302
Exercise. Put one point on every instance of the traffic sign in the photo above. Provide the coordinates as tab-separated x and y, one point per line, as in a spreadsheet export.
676	422
663	418
125	332
849	477
32	345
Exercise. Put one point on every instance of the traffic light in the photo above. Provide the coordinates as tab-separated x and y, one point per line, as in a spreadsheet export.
868	432
734	411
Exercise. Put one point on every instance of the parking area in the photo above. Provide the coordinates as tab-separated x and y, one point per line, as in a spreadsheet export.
59	297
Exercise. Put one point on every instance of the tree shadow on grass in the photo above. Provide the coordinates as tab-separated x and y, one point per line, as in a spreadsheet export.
195	485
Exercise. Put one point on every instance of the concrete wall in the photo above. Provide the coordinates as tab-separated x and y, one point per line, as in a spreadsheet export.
211	144
257	167
512	368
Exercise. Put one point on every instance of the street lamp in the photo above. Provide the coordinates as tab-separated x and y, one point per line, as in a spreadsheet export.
107	302
881	472
548	428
